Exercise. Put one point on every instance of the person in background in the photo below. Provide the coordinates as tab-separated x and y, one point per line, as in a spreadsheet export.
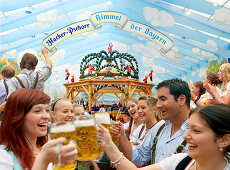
24	131
224	75
7	73
207	123
61	110
126	117
198	93
102	109
146	112
78	110
135	122
28	78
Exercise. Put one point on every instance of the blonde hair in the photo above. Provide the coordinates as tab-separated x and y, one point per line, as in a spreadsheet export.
225	68
135	100
78	105
53	105
152	102
55	101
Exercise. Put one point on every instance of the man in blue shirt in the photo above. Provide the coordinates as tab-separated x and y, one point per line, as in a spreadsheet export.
174	103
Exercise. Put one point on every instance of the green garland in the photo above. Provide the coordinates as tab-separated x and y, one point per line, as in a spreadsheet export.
112	61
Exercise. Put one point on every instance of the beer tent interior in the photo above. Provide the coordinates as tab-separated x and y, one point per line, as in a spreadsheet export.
199	30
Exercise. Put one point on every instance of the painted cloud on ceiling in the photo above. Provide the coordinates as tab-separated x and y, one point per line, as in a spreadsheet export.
47	19
203	55
158	18
212	44
222	17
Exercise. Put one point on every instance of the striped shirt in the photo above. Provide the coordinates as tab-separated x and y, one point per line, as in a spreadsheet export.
3	94
166	145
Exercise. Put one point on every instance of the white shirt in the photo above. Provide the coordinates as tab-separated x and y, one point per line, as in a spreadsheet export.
170	163
203	98
6	161
224	94
136	133
219	92
126	125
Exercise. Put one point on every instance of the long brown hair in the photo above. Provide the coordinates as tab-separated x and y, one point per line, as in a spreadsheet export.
18	104
201	87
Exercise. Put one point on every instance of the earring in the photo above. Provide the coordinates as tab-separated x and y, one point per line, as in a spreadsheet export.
221	149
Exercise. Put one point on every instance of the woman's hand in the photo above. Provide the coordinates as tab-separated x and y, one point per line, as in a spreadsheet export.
117	129
211	89
52	149
193	96
50	153
104	136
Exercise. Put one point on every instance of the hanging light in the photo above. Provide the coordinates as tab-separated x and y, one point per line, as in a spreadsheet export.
29	10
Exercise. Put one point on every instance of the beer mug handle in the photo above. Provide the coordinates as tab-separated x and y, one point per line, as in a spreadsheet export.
59	155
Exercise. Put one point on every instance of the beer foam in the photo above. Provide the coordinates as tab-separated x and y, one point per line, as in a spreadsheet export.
102	118
63	128
83	123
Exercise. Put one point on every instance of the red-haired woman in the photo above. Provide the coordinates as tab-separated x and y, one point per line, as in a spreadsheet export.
23	132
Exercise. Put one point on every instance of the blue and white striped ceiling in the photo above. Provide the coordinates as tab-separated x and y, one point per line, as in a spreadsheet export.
200	30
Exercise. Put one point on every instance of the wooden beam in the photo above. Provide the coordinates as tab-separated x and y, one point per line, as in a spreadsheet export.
67	96
99	96
76	95
133	90
117	96
86	90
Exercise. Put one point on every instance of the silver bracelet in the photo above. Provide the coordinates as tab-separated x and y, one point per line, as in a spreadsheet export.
114	164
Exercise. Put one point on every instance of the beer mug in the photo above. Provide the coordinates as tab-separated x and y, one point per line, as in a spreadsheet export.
104	120
86	137
67	130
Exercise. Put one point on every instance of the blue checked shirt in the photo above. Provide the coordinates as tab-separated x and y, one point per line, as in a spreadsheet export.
166	145
3	94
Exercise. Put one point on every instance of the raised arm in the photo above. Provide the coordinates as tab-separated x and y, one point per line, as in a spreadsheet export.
47	58
116	157
119	131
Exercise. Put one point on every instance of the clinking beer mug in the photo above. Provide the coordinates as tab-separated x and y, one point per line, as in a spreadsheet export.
104	120
66	130
86	138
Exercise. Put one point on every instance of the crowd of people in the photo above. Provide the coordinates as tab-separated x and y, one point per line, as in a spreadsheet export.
178	129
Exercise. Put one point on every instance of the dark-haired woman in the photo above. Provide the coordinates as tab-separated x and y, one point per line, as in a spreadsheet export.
198	93
209	79
135	124
23	132
208	138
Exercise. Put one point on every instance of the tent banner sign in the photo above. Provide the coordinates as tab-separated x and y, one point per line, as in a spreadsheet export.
94	23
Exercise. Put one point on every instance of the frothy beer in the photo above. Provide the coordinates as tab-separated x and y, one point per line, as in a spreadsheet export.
86	138
67	130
